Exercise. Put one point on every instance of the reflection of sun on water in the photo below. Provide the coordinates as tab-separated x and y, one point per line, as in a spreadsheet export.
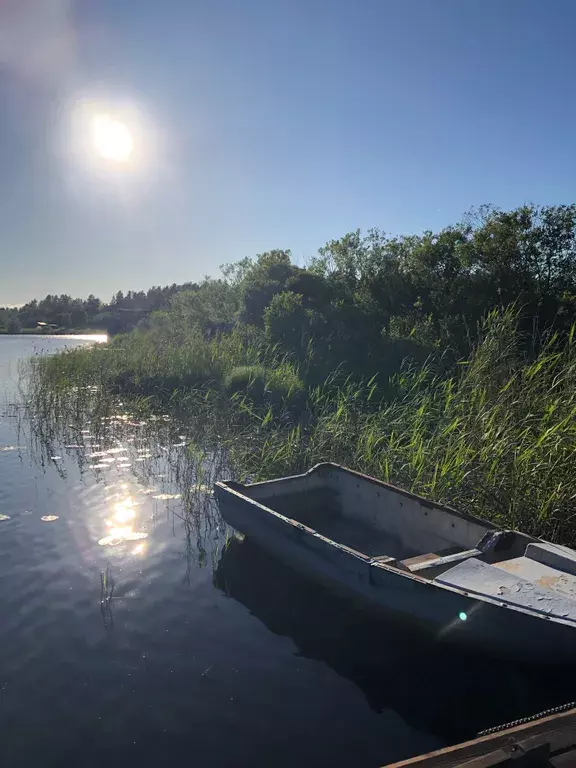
120	532
120	527
124	511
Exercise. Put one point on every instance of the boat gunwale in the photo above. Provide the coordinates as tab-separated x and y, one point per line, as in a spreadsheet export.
382	484
232	487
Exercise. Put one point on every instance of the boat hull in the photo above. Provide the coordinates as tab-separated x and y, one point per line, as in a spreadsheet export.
451	615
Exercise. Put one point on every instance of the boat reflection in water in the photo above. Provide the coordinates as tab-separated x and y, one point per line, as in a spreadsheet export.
448	693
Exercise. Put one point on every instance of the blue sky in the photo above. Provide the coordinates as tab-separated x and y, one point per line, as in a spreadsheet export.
270	124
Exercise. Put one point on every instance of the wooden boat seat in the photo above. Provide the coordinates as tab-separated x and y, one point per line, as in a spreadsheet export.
438	559
433	563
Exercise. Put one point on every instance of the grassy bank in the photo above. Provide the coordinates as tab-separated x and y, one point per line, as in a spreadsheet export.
496	436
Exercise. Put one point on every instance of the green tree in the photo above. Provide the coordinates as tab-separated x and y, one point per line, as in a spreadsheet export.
92	305
287	322
78	318
262	280
13	324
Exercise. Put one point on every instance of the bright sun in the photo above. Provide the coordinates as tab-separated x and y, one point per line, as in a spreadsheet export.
111	138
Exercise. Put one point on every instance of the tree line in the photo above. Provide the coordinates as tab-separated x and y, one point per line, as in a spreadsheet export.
365	300
55	312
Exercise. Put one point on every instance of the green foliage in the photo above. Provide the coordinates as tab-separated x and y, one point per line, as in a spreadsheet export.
247	379
286	321
496	436
285	385
443	362
280	385
78	318
13	325
262	280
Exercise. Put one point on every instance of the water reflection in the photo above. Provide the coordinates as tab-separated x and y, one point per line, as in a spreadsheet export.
434	688
144	467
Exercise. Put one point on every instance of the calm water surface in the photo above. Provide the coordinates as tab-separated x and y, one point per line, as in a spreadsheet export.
135	630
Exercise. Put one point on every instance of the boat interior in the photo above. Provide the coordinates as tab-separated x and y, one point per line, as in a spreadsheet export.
409	533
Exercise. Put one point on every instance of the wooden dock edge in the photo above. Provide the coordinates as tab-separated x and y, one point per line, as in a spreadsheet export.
536	744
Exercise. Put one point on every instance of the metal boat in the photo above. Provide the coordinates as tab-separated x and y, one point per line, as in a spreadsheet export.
462	577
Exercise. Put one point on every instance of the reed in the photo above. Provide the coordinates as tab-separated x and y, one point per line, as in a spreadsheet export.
496	436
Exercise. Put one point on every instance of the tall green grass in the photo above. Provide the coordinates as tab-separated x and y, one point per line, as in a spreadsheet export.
497	437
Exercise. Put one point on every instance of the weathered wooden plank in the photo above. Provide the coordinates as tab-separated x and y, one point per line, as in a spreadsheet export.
533	743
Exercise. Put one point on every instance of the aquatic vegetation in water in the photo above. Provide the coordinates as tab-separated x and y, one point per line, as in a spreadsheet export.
201	488
49	518
107	585
119	535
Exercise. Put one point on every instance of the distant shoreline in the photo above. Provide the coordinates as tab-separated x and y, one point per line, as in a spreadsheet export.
57	332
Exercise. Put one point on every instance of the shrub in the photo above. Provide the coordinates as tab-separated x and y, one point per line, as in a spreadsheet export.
247	379
286	321
284	385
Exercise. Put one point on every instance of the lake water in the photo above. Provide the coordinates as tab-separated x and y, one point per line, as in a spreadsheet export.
135	631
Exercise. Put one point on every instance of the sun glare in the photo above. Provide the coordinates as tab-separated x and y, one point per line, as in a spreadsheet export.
111	138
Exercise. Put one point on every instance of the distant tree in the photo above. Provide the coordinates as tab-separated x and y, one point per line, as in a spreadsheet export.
212	306
13	324
118	299
92	305
78	318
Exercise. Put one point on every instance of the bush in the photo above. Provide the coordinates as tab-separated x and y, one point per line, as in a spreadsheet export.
286	321
247	379
284	385
280	385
